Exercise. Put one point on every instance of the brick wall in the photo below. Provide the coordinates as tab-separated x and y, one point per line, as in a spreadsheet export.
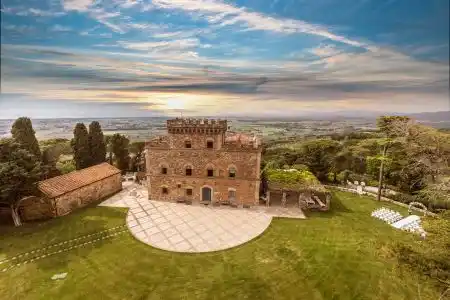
35	208
175	157
81	197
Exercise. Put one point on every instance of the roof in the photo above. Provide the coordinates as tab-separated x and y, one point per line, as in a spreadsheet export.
293	180
63	184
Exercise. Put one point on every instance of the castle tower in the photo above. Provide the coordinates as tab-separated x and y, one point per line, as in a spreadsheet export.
200	130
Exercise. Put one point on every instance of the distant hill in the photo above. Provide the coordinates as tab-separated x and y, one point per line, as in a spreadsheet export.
437	116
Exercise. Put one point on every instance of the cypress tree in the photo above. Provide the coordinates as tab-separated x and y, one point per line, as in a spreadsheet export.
119	146
97	145
23	133
80	145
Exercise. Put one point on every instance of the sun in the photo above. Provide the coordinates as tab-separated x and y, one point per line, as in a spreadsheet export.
175	104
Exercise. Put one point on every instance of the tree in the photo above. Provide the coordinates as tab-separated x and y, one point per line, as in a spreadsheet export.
137	148
318	155
19	171
119	146
97	145
80	145
393	127
22	131
108	139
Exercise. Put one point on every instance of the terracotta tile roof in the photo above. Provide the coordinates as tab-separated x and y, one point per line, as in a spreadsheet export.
62	184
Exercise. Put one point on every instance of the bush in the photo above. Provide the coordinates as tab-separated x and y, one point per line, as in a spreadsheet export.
403	198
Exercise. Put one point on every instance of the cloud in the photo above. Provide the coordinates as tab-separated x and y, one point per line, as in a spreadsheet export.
34	12
223	14
182	44
77	5
18	28
60	28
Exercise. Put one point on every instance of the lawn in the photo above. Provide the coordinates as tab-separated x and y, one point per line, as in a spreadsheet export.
341	254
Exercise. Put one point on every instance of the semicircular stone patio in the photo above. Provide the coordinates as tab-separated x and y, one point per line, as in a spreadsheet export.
188	228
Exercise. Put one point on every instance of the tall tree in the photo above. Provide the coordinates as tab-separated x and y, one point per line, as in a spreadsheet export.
137	148
108	139
22	131
19	171
119	146
80	145
394	128
318	155
97	145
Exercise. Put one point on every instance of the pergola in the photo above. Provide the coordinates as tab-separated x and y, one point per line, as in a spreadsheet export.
309	189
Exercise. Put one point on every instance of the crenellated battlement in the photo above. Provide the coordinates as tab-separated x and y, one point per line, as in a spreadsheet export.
199	126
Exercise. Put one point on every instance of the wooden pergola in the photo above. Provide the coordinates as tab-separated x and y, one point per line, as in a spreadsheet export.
309	189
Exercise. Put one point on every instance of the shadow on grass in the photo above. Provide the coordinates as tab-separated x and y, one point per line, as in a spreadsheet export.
36	235
336	208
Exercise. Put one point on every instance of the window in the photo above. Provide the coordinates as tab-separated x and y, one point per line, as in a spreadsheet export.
165	190
210	173
187	144
231	195
188	192
209	144
232	172
188	171
178	185
164	170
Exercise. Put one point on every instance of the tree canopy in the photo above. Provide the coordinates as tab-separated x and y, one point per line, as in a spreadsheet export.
80	145
97	145
22	131
119	146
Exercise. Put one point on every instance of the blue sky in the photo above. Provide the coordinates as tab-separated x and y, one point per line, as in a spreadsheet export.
87	58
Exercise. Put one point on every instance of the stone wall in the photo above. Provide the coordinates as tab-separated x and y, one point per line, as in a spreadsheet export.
244	189
35	208
81	197
176	158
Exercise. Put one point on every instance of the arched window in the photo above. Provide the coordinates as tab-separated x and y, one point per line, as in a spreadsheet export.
187	144
232	172
188	170
210	144
163	169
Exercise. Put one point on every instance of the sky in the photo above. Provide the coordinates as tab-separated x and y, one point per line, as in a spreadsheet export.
125	58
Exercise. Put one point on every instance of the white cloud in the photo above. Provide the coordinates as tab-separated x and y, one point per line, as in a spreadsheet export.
181	44
78	5
223	14
35	12
60	28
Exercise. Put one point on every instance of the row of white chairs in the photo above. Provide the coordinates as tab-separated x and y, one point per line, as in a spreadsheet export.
387	215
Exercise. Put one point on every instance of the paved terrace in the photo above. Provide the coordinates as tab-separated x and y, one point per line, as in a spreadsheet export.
192	228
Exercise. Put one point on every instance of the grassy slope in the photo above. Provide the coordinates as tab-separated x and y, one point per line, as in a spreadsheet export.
335	255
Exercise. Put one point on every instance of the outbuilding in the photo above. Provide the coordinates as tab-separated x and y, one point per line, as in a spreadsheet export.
62	194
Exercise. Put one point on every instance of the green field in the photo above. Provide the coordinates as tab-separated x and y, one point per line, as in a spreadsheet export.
341	254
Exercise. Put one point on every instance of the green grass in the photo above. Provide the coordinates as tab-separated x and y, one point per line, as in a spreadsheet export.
341	254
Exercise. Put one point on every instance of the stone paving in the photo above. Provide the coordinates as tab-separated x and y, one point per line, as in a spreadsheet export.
190	228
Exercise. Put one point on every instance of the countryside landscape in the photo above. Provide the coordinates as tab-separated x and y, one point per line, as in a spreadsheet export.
222	149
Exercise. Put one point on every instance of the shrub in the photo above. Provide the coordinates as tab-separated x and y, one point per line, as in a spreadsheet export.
403	198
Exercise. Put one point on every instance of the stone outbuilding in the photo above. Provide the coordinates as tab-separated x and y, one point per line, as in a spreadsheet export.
62	194
199	161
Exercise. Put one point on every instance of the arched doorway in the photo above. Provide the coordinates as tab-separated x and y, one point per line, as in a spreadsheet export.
206	193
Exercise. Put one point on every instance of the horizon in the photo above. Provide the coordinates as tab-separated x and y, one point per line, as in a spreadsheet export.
243	58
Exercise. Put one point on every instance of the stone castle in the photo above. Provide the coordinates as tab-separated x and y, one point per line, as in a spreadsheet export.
200	161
